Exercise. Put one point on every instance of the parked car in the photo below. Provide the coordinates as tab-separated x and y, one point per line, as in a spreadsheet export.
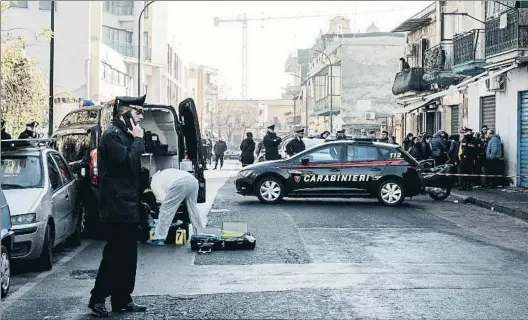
232	154
8	239
42	193
171	137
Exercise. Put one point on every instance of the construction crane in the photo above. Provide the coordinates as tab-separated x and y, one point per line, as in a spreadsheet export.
244	21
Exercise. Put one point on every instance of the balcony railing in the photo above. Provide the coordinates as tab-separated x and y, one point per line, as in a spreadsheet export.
119	8
439	58
513	35
128	49
324	104
469	46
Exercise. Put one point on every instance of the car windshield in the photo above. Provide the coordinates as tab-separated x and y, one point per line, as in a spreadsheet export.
21	172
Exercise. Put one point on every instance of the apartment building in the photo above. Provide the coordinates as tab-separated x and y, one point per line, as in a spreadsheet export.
472	71
350	76
203	88
97	47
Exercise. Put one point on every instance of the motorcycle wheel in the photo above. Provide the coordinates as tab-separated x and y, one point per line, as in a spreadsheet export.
440	196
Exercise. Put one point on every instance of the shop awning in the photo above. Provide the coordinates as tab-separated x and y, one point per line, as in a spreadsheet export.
410	25
414	105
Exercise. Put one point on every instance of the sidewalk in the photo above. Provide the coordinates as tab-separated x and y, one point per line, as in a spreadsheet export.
511	201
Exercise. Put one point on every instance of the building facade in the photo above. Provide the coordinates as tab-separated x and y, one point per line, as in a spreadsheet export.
203	87
96	47
474	74
350	76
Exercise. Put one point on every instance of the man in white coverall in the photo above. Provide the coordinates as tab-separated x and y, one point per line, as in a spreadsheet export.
171	187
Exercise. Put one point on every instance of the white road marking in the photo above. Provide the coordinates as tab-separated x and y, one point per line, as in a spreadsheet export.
58	266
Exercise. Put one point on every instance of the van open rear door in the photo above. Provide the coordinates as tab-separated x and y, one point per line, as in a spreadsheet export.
190	128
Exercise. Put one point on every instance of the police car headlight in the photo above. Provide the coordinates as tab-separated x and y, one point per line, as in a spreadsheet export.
245	174
24	219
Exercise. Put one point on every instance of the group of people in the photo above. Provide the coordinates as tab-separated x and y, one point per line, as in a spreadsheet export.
217	150
471	153
123	215
29	133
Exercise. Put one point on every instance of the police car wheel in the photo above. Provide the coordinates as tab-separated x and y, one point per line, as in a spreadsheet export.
390	193
270	190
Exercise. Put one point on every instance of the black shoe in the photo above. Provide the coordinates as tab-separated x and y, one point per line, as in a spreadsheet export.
98	309
131	307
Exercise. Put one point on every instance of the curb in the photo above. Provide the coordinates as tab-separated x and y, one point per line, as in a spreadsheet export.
516	213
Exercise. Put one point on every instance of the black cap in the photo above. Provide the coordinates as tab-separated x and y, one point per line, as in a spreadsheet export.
341	131
132	102
32	124
299	131
272	127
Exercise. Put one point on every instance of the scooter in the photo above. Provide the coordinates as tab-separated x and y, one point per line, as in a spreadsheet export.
435	182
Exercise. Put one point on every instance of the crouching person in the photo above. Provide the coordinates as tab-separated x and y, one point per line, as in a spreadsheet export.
171	187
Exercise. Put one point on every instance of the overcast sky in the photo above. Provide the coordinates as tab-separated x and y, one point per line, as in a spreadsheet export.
270	42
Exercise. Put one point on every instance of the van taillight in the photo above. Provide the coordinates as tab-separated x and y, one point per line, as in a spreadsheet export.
93	167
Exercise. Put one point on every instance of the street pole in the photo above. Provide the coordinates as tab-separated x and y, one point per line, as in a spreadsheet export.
331	87
139	45
293	100
52	60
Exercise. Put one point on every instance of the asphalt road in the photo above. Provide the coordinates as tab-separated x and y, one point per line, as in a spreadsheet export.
331	259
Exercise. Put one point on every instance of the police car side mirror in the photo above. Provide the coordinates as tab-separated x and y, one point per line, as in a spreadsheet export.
305	160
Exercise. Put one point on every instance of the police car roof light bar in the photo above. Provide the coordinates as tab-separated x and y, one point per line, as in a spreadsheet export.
27	143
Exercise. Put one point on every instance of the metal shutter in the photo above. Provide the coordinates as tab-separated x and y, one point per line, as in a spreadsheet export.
455	119
487	112
523	140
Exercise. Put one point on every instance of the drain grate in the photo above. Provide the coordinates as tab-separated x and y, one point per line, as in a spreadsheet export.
83	274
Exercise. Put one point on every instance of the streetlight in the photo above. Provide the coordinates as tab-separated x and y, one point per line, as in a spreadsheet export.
139	45
293	99
331	87
52	68
304	82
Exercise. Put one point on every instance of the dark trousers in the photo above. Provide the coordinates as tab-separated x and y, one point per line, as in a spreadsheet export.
465	167
117	273
219	157
246	161
493	167
440	160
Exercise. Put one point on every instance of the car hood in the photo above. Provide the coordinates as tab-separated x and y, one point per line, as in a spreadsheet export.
263	164
22	200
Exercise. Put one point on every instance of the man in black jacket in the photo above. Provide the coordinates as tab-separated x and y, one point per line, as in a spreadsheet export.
340	134
271	144
296	145
220	148
5	135
30	132
248	148
119	164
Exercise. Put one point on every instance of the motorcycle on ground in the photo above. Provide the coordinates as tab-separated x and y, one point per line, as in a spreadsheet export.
435	180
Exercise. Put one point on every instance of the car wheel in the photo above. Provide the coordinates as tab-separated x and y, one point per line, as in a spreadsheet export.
6	271
441	195
270	190
390	193
76	238
45	261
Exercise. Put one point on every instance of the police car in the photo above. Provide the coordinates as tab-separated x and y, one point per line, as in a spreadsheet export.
337	169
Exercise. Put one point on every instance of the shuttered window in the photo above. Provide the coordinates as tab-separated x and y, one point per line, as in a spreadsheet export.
487	112
455	119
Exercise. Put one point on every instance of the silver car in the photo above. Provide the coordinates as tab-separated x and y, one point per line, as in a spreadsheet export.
41	191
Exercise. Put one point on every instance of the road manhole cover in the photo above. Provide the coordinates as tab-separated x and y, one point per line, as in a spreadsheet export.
83	274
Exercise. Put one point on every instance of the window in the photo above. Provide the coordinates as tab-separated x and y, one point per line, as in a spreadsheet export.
362	153
64	170
53	174
20	172
114	76
46	5
326	154
119	8
18	4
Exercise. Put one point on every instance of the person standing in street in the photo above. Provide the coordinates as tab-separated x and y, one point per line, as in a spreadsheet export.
408	142
493	156
5	135
30	132
271	144
296	145
248	149
384	137
171	187
119	164
340	134
220	148
467	154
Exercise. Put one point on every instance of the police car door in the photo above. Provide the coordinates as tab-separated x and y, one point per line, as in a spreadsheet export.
361	167
319	170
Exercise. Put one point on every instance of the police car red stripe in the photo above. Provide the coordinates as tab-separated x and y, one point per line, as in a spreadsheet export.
350	164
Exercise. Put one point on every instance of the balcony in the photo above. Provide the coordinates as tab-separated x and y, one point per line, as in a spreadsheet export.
119	8
409	81
509	40
438	64
469	53
322	107
128	49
